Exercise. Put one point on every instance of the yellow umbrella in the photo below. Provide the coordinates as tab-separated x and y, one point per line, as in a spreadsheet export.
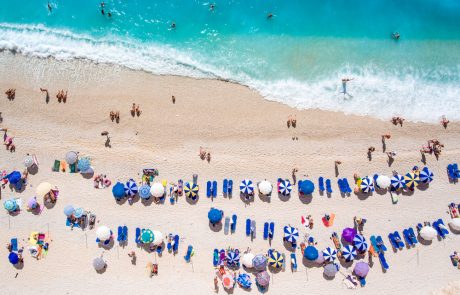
412	180
43	188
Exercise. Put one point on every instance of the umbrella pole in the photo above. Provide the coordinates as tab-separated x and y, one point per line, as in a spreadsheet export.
86	239
418	257
306	272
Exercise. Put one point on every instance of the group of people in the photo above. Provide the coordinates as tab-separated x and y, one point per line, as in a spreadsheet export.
455	259
101	181
292	121
397	120
115	116
135	110
10	93
433	146
8	141
61	96
204	154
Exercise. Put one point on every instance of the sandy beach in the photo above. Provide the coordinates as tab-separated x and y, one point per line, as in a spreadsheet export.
248	138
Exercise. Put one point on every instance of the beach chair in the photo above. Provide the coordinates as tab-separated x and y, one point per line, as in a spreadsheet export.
271	231
407	238
380	243
253	229
189	253
293	262
208	188
137	239
266	225
440	228
412	235
215	258
222	255
176	244
383	261
328	186
374	243
347	186
230	188
56	166
455	171
248	227
120	234
395	240
224	187
226	225
341	188
14	244
321	184
233	225
214	189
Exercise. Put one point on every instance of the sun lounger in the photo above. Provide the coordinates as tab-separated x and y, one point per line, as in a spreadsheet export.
455	170
372	251
214	189
226	225
395	240
439	226
271	231
120	233
328	186
230	187
321	184
137	239
189	253
380	243
222	255
215	258
341	188
347	186
266	225
225	187
407	238
293	262
374	243
176	244
233	225
253	229
412	235
56	166
248	227
14	244
383	261
208	189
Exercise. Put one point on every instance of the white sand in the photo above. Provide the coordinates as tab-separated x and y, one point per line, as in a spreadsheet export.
248	137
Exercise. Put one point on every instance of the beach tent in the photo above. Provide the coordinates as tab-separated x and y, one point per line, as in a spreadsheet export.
158	238
191	190
349	253
118	190
32	203
103	233
10	205
265	187
329	254
428	233
131	188
306	187
144	191
78	212
157	190
28	161
14	177
426	176
263	278
360	243
247	260
348	234
383	181
99	263
455	224
68	210
84	164
13	258
310	253
291	234
259	262
246	187
244	280
285	187
147	236
320	259
214	215
361	269
275	259
43	189
367	185
71	158
412	180
330	270
398	182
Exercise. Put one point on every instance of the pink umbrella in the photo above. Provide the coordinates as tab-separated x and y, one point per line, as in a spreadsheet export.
32	204
348	234
361	269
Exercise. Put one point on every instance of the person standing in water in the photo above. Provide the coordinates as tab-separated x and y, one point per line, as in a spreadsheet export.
344	85
395	36
50	8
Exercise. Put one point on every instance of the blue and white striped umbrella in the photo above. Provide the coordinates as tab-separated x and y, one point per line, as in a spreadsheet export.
367	185
426	176
329	254
247	187
349	253
233	258
285	187
291	234
131	188
398	182
144	191
360	243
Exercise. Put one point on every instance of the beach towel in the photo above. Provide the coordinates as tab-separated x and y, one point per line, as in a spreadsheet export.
56	166
330	222
63	166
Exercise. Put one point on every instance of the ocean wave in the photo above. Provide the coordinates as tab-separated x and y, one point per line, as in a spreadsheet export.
372	92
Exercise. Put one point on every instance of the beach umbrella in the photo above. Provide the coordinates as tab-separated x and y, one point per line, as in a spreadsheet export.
32	203
246	187
71	158
291	234
329	254
13	258
227	281
84	164
244	280
265	187
428	233
28	161
191	190
247	260
78	213
147	236
426	176
43	189
144	191
68	210
259	262
367	185
455	224
306	187
383	181
214	215
275	259
310	253
349	253
263	278
330	270
157	190
348	234
118	190
131	188
361	269
158	238
103	233
285	187
412	180
233	258
10	205
14	177
360	243
398	182
98	263
320	259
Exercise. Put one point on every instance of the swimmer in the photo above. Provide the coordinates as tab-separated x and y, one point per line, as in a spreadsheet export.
212	6
173	25
269	15
49	7
395	35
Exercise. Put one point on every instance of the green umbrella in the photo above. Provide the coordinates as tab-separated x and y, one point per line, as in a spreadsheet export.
147	236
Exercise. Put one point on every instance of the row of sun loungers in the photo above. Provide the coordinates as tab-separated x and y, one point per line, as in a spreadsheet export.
321	188
453	172
211	188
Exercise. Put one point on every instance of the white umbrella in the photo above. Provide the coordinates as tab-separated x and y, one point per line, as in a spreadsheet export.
157	190
103	233
158	238
428	233
43	188
98	263
265	187
28	161
71	158
247	260
455	224
383	181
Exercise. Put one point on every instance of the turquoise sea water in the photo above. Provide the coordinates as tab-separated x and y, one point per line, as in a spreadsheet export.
297	57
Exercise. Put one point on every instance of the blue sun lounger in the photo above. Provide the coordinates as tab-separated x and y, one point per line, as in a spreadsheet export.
439	226
395	240
380	243
271	231
215	257
341	187
176	244
230	188
14	244
225	187
208	189
383	261
233	225
266	225
122	234
248	227
189	253
293	262
214	189
408	237
346	186
137	239
321	184
328	186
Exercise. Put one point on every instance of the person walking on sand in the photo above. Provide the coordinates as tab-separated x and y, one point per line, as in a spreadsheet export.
344	85
444	121
173	98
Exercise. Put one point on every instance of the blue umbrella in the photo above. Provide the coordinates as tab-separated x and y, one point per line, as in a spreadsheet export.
14	177
329	254
144	191
311	253
306	187
10	205
214	215
118	190
131	188
78	213
367	185
349	253
291	234
246	187
285	187
83	164
259	262
360	243
426	176
68	210
233	258
398	182
244	280
13	258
